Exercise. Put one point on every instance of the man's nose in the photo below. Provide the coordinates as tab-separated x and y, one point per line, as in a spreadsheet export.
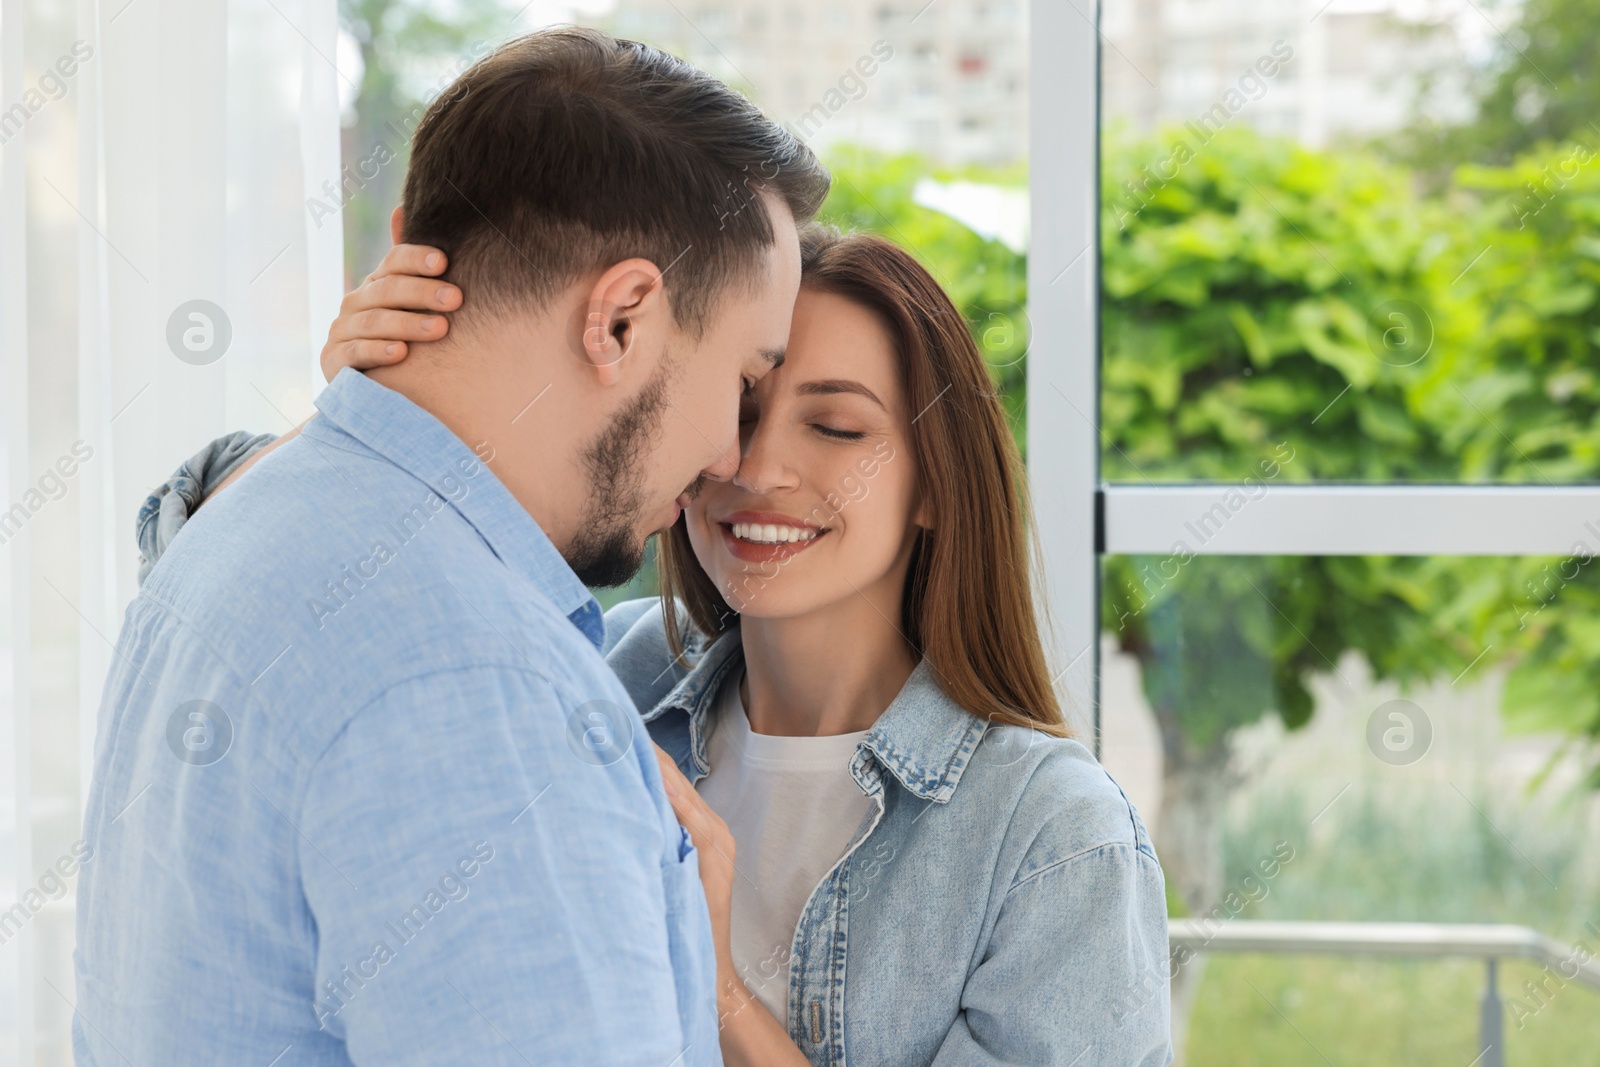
726	465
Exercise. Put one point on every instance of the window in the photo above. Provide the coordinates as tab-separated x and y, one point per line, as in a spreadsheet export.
1325	498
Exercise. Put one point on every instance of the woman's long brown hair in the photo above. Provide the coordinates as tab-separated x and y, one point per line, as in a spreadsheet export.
968	604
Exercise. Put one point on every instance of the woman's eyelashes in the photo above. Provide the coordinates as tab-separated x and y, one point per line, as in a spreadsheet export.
838	435
751	416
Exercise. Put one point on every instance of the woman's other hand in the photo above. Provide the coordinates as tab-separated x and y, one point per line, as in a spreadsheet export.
399	302
748	1032
715	844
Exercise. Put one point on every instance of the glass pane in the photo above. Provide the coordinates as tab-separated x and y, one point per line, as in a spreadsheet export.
1366	229
1364	739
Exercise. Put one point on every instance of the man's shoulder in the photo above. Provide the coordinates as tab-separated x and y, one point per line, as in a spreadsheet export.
342	557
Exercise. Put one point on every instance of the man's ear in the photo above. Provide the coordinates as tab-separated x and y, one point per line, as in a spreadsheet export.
625	303
397	224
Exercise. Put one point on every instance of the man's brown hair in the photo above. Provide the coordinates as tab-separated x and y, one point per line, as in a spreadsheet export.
568	150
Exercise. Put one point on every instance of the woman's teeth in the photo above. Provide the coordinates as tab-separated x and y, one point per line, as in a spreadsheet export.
772	535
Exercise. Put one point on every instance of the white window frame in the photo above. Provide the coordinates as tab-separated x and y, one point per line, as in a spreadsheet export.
1080	519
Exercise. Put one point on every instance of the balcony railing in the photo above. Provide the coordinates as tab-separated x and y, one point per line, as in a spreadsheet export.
1570	964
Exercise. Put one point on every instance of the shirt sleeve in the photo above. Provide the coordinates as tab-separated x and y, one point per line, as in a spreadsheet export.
482	893
167	508
1075	972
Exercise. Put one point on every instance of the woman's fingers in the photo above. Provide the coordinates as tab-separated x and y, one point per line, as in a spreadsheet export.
362	355
714	842
379	343
679	791
399	302
388	324
692	812
411	259
401	291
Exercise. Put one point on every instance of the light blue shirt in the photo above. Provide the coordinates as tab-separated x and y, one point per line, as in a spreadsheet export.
366	792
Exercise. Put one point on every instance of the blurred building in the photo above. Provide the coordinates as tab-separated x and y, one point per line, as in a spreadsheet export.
947	79
1313	70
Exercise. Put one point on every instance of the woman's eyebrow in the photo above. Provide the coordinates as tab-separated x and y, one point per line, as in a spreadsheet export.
829	386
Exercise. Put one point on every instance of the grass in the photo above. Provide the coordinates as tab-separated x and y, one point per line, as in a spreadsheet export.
1394	849
1276	1011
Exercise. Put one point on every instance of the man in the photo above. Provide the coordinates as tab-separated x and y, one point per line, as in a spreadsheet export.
364	790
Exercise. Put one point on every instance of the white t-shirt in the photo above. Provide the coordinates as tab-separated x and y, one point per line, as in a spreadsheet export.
792	808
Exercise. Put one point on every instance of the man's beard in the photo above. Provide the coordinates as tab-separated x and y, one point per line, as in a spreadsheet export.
607	549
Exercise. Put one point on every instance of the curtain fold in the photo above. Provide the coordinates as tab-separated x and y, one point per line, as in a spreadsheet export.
161	282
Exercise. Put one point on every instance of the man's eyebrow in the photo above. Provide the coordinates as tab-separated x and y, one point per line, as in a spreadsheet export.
773	356
829	386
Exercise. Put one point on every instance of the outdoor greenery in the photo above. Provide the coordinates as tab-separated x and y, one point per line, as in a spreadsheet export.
1397	847
1540	87
410	51
1267	1011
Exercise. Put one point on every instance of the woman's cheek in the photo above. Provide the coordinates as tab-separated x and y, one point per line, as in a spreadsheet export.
701	537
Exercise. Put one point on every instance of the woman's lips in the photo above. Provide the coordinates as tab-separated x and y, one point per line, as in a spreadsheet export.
754	552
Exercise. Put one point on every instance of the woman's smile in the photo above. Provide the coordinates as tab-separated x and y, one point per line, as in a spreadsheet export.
767	536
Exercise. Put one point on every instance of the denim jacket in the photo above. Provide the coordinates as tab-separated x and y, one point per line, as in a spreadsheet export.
1001	902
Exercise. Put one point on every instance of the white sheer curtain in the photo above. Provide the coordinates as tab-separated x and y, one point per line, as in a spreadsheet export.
153	154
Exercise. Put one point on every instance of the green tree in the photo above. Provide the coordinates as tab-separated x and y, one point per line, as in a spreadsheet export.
986	280
1268	295
1541	87
1535	386
396	39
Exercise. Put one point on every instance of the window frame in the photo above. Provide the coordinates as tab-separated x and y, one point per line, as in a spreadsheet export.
1079	518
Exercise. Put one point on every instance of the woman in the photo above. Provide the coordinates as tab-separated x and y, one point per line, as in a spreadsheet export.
907	858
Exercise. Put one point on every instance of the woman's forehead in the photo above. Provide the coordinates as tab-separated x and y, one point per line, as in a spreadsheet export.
833	336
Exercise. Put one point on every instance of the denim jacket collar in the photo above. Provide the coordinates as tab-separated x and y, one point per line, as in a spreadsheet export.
923	738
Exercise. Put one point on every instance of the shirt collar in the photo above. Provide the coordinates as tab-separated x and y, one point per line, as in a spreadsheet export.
923	738
422	446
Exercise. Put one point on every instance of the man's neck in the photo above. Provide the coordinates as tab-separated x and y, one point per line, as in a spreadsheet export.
497	413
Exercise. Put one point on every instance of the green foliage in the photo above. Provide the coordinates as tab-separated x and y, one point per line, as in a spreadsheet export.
1264	322
1534	343
1246	294
986	280
1263	300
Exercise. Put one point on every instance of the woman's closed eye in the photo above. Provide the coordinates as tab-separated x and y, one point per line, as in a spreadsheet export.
837	434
